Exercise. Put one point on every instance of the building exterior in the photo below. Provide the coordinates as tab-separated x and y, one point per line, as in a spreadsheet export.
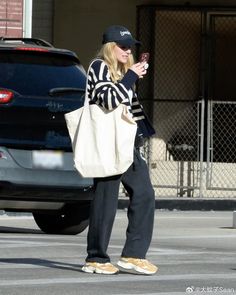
190	91
11	18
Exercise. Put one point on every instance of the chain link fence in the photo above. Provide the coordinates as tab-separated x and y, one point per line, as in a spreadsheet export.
174	153
193	153
221	158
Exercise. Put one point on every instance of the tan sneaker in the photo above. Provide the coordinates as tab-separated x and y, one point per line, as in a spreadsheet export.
101	268
141	266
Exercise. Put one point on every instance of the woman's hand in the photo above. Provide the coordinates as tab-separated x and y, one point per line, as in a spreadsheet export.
139	68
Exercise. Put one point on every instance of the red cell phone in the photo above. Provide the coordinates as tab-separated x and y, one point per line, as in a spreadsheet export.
144	57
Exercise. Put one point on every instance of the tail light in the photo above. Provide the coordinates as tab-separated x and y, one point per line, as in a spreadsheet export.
2	155
5	96
32	49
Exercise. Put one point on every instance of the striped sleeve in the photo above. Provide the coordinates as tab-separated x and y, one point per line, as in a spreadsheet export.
137	108
102	90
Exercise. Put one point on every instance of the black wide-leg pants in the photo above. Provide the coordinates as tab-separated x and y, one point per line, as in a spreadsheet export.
136	181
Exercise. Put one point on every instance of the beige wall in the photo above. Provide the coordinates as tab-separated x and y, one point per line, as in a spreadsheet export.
78	24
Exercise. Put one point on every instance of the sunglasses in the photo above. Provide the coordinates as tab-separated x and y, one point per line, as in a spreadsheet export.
124	48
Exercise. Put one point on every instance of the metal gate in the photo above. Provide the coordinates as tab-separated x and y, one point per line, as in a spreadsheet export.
190	95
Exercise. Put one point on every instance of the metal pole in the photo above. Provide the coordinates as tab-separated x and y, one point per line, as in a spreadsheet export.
234	219
201	149
27	18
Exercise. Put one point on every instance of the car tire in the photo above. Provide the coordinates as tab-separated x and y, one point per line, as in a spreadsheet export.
72	220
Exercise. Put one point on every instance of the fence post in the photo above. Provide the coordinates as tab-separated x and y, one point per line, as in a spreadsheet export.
201	148
234	219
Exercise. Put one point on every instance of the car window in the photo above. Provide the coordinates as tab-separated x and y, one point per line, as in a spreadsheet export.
35	74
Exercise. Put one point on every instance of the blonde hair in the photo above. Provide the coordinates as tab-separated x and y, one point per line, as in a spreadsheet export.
117	69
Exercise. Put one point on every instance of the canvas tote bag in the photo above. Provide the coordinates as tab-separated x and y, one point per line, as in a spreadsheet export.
102	140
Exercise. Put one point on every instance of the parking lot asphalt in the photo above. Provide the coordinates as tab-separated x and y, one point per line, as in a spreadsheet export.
194	250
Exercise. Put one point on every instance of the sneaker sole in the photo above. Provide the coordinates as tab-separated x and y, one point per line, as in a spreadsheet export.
90	269
137	269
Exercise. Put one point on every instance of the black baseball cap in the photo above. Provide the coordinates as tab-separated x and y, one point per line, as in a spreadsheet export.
120	35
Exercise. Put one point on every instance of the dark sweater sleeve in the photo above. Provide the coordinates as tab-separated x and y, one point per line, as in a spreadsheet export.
129	79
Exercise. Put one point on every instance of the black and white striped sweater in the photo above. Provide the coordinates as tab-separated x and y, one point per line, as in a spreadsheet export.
107	94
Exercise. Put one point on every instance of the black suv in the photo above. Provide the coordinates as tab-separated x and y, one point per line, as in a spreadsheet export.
38	85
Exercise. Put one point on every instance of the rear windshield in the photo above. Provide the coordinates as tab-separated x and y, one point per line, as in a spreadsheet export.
36	73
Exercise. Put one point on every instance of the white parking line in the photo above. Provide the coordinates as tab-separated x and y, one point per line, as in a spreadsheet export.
7	217
88	279
65	263
161	293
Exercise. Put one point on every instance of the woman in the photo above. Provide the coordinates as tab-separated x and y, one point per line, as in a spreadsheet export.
111	80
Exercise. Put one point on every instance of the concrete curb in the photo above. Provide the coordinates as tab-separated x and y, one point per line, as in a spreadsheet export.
189	204
181	204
